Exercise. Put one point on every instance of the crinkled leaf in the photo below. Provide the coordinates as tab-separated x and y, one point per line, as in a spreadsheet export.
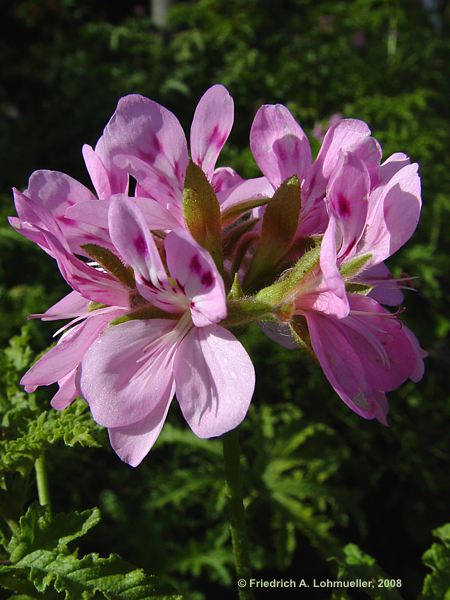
39	530
437	583
72	426
82	578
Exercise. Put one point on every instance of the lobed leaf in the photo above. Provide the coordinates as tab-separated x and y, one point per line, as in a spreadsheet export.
437	583
82	578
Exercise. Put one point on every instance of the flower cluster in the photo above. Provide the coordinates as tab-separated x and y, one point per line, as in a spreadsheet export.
170	253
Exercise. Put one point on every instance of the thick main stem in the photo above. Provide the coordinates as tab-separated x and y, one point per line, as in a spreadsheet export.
233	478
41	481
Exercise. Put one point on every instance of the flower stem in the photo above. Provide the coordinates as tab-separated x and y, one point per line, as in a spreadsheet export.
41	481
233	478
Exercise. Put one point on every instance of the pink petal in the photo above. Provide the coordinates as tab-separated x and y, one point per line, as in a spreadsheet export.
88	281
343	368
214	379
419	368
23	206
395	216
93	213
127	372
347	194
49	197
279	333
24	226
249	189
56	191
386	289
225	178
389	352
148	131
67	392
97	172
152	182
392	165
369	152
331	296
34	217
279	145
158	217
90	225
211	126
340	137
133	442
67	354
194	271
133	240
68	307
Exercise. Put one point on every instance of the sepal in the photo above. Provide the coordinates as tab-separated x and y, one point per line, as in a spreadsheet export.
354	267
279	226
201	212
111	263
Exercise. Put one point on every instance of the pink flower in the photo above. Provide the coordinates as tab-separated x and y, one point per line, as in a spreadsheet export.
130	374
146	140
281	149
60	364
369	218
149	307
366	211
365	354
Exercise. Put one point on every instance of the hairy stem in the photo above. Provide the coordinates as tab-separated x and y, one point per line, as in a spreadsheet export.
233	479
41	481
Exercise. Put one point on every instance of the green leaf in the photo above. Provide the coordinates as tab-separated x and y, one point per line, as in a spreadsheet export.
111	263
201	211
19	352
354	564
437	583
39	530
81	579
73	426
279	226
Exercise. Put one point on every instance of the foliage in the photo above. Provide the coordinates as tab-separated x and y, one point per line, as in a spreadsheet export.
40	561
437	583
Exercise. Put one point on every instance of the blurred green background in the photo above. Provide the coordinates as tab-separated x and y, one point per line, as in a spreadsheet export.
317	476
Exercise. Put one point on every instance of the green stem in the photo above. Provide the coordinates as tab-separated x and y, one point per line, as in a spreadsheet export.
41	481
233	478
